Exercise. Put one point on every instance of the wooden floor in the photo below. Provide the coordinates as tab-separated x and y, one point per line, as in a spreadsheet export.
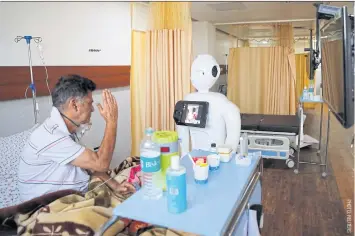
307	204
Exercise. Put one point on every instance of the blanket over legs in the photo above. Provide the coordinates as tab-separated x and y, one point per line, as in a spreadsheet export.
77	214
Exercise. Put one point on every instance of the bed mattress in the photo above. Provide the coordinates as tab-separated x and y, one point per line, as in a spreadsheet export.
271	123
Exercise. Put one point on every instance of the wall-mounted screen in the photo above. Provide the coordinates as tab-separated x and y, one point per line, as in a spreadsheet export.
337	53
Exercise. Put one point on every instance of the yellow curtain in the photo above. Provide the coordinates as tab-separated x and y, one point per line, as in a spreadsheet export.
302	79
174	15
170	15
248	72
138	88
280	98
160	70
285	40
263	79
259	80
166	76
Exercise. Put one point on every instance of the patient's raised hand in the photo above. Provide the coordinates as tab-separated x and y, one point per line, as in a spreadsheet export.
109	108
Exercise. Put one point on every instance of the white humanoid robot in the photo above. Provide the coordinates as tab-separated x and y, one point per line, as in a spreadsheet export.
223	119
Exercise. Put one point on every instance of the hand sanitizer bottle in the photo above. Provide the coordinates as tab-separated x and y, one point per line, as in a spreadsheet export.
305	93
176	186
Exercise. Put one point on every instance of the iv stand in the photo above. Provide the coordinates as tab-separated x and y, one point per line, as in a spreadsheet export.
32	85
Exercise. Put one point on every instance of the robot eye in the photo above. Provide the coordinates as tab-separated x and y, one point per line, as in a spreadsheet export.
214	71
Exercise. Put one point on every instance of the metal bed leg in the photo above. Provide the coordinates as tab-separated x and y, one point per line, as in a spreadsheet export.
324	174
320	131
299	141
298	154
107	225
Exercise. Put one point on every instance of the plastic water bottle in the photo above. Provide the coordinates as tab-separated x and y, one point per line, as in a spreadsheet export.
213	148
310	92
305	93
150	165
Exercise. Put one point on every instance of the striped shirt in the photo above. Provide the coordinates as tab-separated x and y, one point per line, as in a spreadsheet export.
45	161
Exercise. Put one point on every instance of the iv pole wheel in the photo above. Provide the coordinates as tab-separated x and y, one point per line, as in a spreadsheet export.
295	171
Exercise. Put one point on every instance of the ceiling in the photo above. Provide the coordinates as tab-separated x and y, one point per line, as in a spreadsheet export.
224	14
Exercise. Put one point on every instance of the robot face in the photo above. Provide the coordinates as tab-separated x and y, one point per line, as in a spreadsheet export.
204	72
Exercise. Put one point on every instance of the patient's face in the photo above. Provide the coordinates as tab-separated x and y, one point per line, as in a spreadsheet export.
85	108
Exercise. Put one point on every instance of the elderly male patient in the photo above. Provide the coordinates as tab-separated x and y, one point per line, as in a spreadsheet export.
53	159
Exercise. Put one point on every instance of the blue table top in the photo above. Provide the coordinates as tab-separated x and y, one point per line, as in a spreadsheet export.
209	205
316	99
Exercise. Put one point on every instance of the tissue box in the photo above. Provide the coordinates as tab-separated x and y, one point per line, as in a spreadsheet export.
225	152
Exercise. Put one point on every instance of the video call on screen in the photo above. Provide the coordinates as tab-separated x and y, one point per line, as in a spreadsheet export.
192	115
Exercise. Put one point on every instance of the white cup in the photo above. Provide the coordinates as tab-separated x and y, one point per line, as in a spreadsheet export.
201	174
213	161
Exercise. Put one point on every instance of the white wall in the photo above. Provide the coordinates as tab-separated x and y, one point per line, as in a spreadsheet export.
68	30
300	45
140	14
203	38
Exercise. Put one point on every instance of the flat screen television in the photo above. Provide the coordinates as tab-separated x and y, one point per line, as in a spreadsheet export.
337	63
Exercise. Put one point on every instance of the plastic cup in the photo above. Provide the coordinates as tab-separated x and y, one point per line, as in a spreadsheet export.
213	161
201	173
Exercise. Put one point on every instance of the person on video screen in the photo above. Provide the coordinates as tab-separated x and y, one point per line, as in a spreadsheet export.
189	117
194	113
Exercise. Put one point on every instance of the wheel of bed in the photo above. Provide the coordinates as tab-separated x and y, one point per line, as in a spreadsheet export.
270	134
290	163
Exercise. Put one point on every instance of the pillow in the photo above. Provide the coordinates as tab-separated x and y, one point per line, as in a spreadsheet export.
10	151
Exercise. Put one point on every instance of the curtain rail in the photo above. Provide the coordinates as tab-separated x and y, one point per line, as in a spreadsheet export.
266	21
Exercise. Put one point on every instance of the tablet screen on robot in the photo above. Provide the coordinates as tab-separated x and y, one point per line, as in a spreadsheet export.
191	113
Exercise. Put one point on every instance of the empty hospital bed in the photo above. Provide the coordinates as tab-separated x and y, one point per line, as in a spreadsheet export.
276	136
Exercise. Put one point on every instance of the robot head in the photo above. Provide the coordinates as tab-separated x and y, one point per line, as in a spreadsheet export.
204	72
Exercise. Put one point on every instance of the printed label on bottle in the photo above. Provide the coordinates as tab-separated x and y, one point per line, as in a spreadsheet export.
176	189
150	164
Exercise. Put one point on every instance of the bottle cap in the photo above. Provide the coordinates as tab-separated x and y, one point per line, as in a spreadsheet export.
175	162
149	130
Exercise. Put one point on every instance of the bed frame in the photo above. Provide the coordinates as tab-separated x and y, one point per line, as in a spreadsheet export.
273	135
279	136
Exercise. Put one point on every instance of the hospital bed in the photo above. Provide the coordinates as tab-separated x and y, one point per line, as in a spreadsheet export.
276	136
279	136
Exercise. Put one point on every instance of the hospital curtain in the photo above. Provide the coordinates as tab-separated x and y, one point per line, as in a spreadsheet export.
138	89
174	15
248	73
169	58
160	70
283	72
168	82
262	79
280	98
302	79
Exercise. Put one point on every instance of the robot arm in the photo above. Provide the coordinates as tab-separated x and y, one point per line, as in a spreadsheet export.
232	118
